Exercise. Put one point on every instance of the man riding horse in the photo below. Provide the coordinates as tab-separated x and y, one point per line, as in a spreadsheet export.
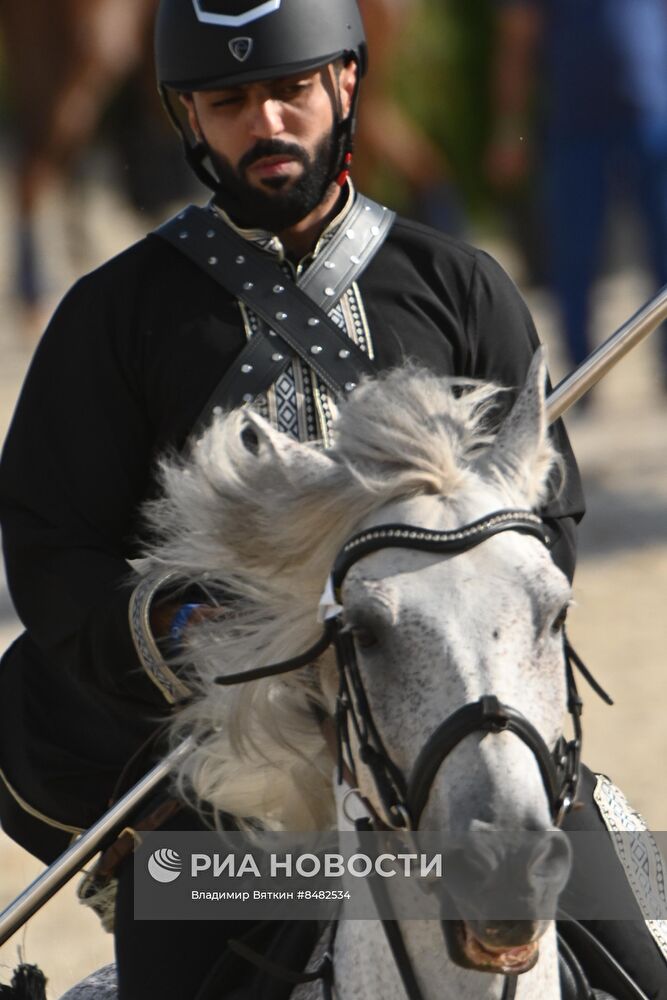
279	295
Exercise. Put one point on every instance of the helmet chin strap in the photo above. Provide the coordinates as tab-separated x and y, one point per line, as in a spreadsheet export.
346	127
194	154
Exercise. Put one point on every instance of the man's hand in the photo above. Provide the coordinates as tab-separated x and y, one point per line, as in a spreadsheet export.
170	619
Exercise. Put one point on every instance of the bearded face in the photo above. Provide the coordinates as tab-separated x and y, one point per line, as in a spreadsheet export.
276	203
276	146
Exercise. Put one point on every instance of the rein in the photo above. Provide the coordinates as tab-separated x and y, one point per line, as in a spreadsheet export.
402	799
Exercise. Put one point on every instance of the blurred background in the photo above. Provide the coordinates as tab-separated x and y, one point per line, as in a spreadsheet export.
536	129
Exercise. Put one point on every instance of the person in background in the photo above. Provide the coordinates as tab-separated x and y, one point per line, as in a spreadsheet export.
386	135
579	94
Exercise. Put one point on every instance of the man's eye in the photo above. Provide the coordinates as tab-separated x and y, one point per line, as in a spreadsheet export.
226	102
293	90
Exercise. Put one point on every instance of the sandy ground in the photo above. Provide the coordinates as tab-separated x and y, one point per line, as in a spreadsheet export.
618	625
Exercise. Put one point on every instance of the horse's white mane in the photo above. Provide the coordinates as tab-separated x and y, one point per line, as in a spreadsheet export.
254	514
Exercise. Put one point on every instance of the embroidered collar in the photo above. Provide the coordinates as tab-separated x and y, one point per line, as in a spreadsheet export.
272	244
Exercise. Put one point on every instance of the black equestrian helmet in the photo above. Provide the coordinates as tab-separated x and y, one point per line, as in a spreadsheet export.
211	44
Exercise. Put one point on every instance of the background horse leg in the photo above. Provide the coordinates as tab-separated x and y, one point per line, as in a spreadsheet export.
65	61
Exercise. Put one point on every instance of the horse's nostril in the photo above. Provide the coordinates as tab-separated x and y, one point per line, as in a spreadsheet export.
551	861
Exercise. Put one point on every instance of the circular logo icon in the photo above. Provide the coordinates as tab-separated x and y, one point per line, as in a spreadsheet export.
165	865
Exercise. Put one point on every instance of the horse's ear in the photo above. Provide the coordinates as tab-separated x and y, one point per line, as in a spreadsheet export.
265	442
261	439
257	435
522	451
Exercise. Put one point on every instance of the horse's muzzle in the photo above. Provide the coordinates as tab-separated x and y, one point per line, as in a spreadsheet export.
501	891
499	947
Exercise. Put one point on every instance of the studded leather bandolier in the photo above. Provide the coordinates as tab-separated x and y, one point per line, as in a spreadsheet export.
311	330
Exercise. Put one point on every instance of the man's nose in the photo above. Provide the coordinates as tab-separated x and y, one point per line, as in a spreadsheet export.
266	119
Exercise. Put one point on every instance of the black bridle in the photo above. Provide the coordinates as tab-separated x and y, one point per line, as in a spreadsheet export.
402	799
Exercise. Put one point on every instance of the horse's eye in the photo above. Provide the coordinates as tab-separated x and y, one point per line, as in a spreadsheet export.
559	620
365	638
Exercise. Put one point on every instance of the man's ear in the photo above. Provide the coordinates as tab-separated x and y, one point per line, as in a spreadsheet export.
188	102
347	83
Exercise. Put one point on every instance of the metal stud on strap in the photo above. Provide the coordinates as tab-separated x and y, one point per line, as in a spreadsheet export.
255	278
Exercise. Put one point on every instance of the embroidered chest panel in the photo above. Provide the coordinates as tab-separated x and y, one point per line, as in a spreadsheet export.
299	403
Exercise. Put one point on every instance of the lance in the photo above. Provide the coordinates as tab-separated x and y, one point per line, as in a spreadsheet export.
86	846
566	393
607	355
